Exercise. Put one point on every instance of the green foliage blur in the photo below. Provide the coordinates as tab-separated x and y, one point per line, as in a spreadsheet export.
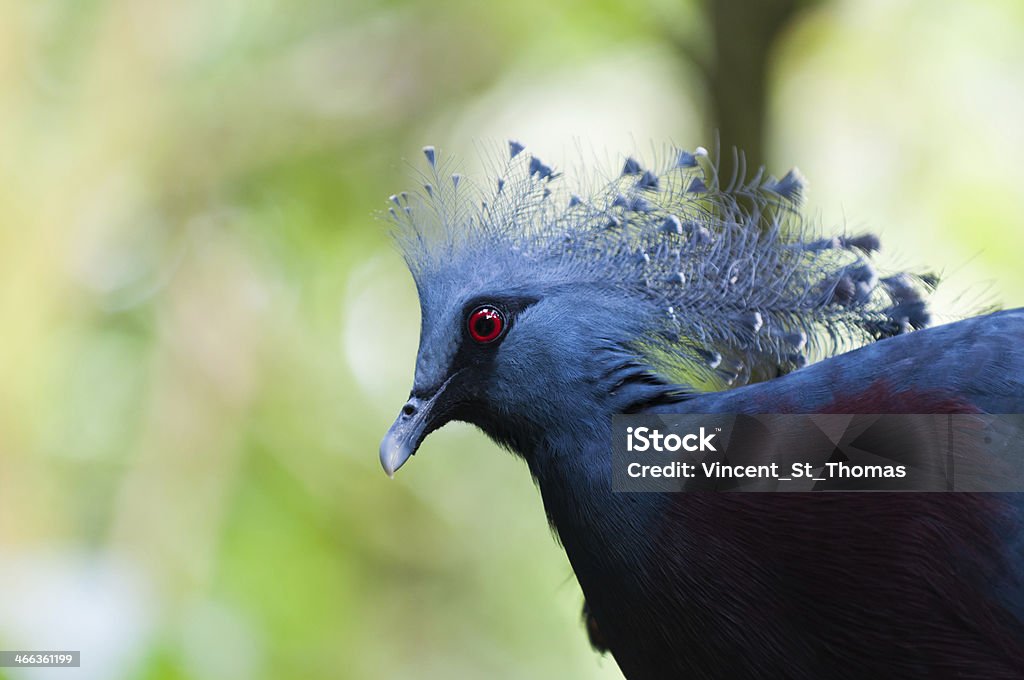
204	331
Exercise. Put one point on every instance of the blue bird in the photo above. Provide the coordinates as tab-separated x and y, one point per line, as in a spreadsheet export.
679	291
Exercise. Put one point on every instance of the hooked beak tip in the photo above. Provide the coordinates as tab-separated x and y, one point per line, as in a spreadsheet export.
403	438
393	454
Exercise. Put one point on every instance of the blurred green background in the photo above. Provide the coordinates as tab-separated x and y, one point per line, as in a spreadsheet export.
205	332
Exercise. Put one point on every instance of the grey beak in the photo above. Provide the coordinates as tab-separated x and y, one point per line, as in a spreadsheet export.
405	435
419	417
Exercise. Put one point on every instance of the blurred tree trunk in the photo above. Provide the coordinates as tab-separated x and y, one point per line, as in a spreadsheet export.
744	37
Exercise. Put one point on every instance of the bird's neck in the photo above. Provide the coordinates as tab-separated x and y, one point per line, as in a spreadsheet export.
567	445
571	462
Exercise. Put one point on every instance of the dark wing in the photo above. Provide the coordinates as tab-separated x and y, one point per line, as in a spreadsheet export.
970	366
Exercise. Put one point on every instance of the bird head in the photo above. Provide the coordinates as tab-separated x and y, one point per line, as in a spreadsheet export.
508	352
541	310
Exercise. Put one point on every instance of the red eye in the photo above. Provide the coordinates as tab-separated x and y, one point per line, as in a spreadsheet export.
486	324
